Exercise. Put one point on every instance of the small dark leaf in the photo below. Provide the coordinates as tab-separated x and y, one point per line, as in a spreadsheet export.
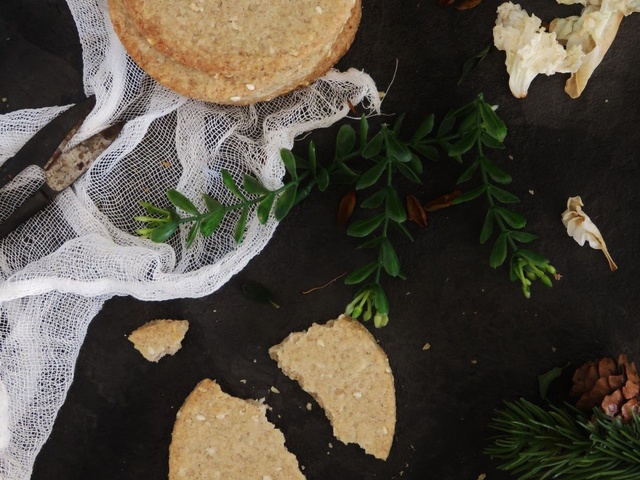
395	148
397	124
427	151
533	257
238	232
289	161
374	146
443	201
322	179
375	200
469	123
425	128
348	173
523	237
448	122
228	181
390	259
402	229
494	171
463	145
415	164
347	204
407	172
364	130
471	64
162	233
372	242
394	208
264	208
491	142
515	220
285	201
345	141
487	227
362	228
546	379
470	195
502	195
372	175
211	203
193	233
253	186
415	211
468	173
210	222
499	252
182	202
312	158
258	292
361	274
303	193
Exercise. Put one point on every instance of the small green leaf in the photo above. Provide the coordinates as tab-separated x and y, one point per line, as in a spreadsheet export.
211	203
289	160
397	123
402	229
494	171
153	210
491	142
374	146
303	193
487	227
404	169
463	145
523	237
162	233
191	236
258	292
415	164
502	195
238	232
264	208
211	222
395	148
394	208
448	122
372	242
182	202
491	123
312	158
499	252
546	379
515	220
380	300
253	186
427	151
533	257
471	64
364	131
285	201
361	274
364	227
322	178
469	123
390	259
372	175
228	181
345	141
425	128
470	195
468	173
375	200
347	172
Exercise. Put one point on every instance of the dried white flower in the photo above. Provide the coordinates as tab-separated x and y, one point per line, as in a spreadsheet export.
582	229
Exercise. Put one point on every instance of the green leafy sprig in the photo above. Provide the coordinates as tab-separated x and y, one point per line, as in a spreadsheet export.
480	128
534	443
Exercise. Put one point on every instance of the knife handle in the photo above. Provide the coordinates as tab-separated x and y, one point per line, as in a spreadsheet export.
32	205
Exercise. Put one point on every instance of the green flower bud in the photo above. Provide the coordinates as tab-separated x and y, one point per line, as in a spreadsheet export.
377	320
530	275
526	291
357	311
546	280
551	269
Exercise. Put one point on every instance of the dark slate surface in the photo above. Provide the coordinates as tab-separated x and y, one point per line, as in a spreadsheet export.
117	420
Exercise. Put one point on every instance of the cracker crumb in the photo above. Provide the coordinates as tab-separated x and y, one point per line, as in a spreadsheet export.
482	476
274	390
474	361
309	406
250	86
426	346
158	338
243	381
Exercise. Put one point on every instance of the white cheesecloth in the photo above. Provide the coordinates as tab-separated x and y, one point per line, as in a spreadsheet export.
58	269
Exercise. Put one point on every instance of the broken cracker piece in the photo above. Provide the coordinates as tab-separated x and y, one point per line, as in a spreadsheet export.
158	338
342	366
219	436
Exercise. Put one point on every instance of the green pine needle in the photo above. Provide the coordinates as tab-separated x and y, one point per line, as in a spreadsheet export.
534	443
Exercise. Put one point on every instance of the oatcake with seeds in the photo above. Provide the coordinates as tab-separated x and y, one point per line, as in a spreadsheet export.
158	338
342	366
243	88
219	436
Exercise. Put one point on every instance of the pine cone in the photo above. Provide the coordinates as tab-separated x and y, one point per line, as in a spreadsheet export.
615	388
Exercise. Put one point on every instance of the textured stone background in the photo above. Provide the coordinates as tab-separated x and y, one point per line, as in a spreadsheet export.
117	420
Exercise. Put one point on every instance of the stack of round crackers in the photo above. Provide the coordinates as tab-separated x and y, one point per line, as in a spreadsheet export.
235	52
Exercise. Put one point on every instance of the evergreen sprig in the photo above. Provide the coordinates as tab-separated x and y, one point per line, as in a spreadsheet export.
534	443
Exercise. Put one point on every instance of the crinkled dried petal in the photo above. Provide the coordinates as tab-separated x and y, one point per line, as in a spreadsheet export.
629	409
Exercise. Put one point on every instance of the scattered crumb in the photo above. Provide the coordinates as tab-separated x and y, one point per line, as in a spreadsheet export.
382	94
474	361
166	164
243	381
531	191
158	338
275	390
330	445
4	99
309	406
510	157
426	346
606	100
482	476
553	349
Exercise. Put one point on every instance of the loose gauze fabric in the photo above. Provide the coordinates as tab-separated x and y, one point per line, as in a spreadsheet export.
59	268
